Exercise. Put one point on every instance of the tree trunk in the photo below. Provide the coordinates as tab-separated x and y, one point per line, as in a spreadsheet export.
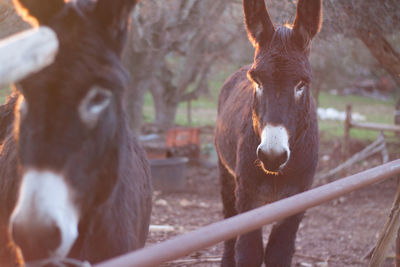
165	115
134	105
165	104
387	57
172	50
142	65
136	89
381	49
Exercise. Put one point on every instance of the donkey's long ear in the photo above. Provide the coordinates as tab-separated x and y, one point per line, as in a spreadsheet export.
40	10
258	23
308	21
113	16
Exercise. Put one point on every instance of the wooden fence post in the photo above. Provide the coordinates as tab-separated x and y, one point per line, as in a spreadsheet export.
347	126
384	152
397	259
388	234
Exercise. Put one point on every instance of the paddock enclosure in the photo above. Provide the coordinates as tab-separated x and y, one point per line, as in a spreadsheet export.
350	212
217	232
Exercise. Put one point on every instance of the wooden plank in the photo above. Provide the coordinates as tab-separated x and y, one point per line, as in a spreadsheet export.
375	126
25	53
377	146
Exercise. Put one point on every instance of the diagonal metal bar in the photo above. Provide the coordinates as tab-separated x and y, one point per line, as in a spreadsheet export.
254	219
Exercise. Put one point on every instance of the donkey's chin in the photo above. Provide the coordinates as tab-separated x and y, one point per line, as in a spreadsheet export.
261	165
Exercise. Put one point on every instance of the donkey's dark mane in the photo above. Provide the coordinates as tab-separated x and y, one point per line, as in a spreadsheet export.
281	40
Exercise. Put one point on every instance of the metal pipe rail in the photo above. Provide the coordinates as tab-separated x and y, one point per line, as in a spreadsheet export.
214	233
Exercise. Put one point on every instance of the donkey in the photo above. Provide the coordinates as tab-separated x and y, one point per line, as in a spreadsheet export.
267	131
74	182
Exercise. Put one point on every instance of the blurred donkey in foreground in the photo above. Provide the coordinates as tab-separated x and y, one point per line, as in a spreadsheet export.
74	182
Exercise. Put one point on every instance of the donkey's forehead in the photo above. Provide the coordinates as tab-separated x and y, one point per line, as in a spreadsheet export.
281	59
85	53
74	74
79	66
282	66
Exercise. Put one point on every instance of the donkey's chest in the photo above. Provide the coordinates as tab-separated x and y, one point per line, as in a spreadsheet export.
271	191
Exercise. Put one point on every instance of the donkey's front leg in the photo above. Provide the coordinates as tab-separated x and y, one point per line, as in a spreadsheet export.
249	247
280	247
228	186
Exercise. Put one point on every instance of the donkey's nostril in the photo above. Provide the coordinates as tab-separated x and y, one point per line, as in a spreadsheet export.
36	242
261	155
283	157
272	160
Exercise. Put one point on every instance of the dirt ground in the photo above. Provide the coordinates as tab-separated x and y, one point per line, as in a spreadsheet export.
338	233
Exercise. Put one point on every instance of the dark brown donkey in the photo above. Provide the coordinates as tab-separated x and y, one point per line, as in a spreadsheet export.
74	182
267	131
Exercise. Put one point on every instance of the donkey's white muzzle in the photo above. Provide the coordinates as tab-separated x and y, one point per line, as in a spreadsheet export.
273	151
44	222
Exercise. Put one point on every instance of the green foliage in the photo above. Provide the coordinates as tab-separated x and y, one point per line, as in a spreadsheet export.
4	92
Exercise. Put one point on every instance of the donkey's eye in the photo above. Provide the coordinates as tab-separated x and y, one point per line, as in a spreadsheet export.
93	104
299	89
100	98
